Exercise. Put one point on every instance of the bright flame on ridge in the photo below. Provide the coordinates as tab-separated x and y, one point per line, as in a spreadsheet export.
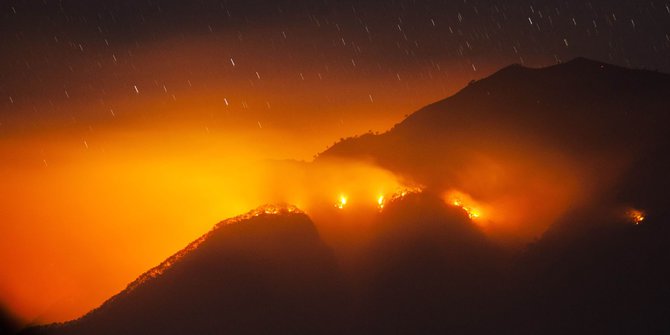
465	202
635	215
342	202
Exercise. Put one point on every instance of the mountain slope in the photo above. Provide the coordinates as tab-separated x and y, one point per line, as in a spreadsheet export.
595	274
576	133
578	103
263	272
430	271
595	125
581	107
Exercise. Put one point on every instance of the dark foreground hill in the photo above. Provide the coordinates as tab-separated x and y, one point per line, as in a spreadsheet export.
7	324
595	274
265	272
428	271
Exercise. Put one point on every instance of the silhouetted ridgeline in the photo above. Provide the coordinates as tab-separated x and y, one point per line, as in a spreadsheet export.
265	272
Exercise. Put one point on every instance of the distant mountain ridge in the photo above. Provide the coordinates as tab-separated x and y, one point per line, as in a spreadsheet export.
565	100
606	124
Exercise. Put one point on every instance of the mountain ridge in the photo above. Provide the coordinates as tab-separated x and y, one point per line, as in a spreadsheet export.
515	73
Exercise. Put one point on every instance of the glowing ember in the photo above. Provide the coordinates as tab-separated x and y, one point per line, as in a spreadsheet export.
636	216
342	203
472	212
380	201
463	201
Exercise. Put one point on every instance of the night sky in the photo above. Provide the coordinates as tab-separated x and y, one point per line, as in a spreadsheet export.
239	57
127	127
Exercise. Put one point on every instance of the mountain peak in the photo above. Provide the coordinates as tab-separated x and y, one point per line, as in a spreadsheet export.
579	65
584	61
580	62
582	65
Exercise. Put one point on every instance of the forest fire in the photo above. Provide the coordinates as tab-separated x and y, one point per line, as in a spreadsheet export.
635	216
382	199
465	202
380	202
472	212
342	202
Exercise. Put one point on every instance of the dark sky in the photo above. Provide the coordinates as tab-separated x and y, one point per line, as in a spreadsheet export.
101	50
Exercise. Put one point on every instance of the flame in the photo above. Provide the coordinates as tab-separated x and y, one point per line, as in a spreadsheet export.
466	203
473	213
342	202
382	198
400	193
636	216
380	201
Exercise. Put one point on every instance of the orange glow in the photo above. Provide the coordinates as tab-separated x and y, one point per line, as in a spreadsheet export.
380	202
342	202
635	216
90	220
465	202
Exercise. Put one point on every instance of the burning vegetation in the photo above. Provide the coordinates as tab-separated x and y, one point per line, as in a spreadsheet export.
635	216
382	199
466	203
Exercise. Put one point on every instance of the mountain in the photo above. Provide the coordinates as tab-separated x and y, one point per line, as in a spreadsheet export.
429	270
581	107
594	274
576	132
263	272
600	127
